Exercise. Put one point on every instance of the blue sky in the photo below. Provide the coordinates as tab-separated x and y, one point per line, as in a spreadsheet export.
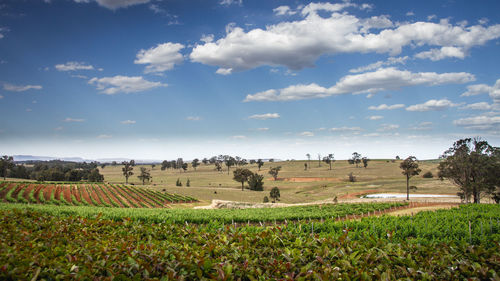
158	79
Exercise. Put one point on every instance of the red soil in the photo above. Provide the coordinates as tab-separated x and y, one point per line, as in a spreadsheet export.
18	189
57	196
75	193
47	191
27	191
66	190
136	197
112	196
306	179
6	190
37	192
359	193
85	194
97	190
126	197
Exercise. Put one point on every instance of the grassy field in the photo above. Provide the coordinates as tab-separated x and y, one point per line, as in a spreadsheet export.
296	184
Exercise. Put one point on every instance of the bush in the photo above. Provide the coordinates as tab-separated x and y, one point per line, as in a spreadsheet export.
266	199
275	194
352	177
188	183
428	175
178	182
256	182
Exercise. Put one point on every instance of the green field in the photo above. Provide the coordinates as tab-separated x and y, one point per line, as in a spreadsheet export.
451	244
317	183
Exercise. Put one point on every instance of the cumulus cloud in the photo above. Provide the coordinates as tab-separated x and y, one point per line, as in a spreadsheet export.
480	122
123	84
193	118
161	58
306	134
478	106
128	122
284	10
73	65
386	107
231	2
444	52
69	119
492	91
388	127
264	116
20	88
115	4
298	44
370	82
346	129
432	105
375	117
378	64
423	126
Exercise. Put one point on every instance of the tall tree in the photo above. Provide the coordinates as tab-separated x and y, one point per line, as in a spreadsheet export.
256	182
319	160
365	161
273	171
195	163
144	175
164	165
473	165
205	161
275	194
229	161
179	164
410	169
242	175
6	163
356	158
329	160
127	169
260	163
308	160
184	167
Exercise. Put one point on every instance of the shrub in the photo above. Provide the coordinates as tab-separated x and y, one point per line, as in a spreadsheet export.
256	182
188	183
266	199
275	194
352	177
428	175
178	182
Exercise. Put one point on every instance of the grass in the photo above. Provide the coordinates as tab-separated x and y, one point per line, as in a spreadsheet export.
208	184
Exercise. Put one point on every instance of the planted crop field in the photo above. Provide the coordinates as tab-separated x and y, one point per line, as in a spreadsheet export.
96	195
456	244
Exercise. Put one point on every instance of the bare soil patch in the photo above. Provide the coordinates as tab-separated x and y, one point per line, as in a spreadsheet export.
358	194
85	194
39	188
112	195
4	192
66	191
307	179
18	189
27	191
47	191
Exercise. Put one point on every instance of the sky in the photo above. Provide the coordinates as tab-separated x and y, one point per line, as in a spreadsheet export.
162	79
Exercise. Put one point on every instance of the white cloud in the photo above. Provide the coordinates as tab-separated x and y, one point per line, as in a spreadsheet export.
79	76
298	44
68	119
432	105
378	64
193	118
423	126
410	14
207	38
306	134
239	137
128	122
493	91
161	58
388	127
386	107
231	2
346	129
115	4
370	82
264	116
284	10
375	117
444	52
124	84
224	71
262	129
20	88
72	66
104	136
480	122
478	106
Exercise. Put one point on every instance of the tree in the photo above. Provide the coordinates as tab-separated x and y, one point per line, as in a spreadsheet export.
164	165
178	182
179	163
153	166
308	160
103	166
229	161
356	158
95	176
188	183
273	171
260	163
6	163
242	175
275	194
218	166
127	169
256	182
410	169
205	161
145	175
329	160
472	165
319	160
184	166
195	163
365	162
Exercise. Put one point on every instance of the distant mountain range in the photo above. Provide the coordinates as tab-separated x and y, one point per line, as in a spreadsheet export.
24	158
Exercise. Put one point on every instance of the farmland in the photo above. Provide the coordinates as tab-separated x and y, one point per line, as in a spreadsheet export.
98	195
445	245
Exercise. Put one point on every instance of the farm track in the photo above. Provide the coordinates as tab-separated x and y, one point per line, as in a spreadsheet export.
100	195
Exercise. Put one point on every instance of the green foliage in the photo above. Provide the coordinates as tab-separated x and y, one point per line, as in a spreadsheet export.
95	176
256	182
274	171
127	169
145	175
410	168
6	163
275	194
266	199
428	175
188	183
242	175
178	182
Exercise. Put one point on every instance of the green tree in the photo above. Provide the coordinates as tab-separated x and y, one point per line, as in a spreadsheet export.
195	163
6	163
184	166
365	161
127	169
273	171
410	169
260	163
329	160
256	182
242	175
356	158
145	175
473	165
95	176
229	161
188	183
275	194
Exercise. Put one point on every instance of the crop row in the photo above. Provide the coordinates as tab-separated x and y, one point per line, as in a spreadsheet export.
35	245
100	195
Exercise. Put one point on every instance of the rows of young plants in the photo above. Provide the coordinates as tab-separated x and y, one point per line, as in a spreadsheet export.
100	195
215	217
35	245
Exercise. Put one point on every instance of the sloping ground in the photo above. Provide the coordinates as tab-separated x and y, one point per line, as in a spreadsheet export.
102	195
